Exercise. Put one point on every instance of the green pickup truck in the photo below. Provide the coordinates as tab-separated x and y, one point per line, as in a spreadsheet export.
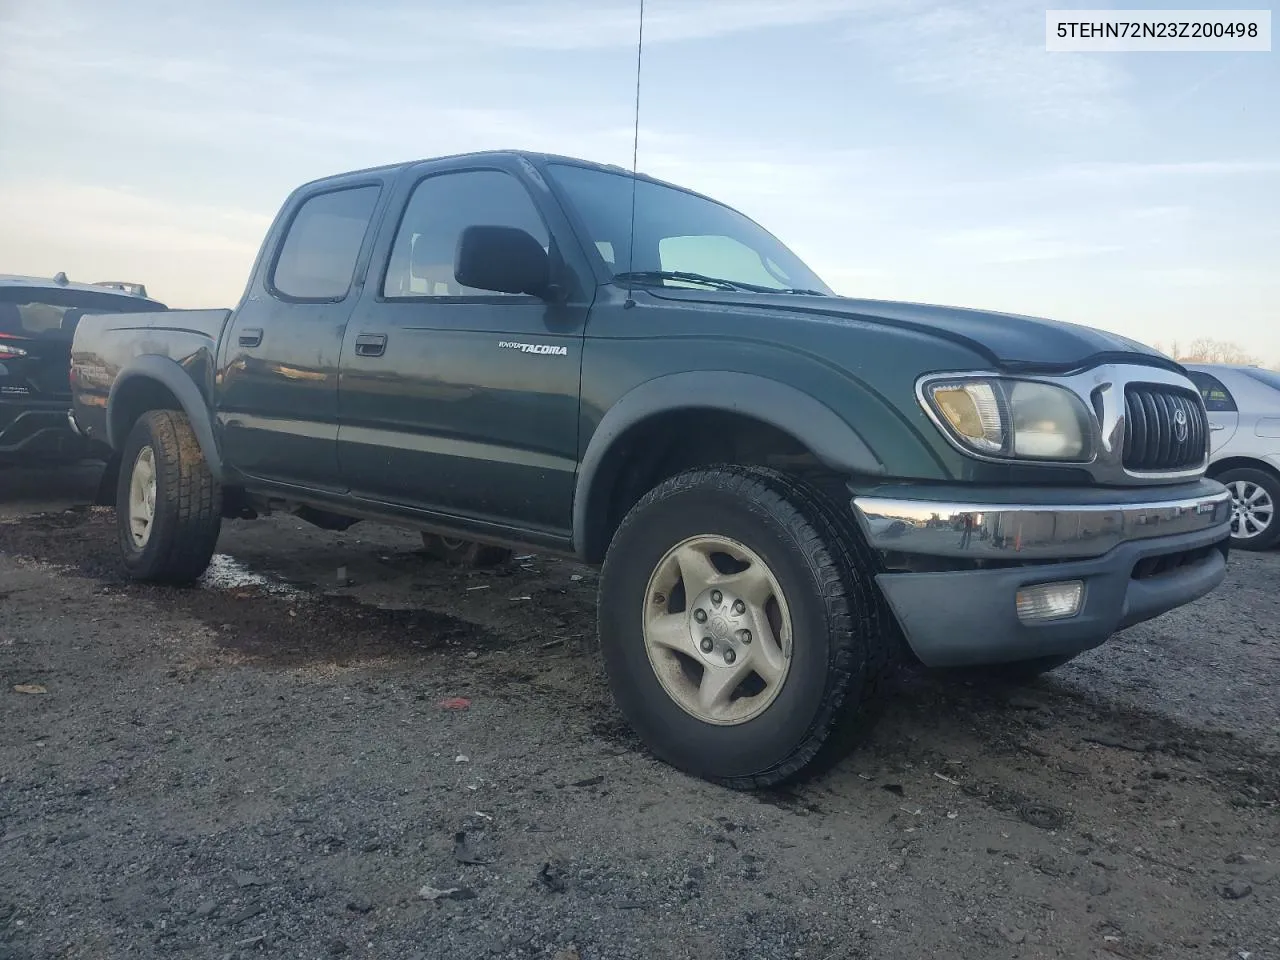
786	491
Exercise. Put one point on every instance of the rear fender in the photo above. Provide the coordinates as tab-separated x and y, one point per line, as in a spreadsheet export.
170	375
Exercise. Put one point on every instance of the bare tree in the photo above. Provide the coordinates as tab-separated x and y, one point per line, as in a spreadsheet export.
1208	350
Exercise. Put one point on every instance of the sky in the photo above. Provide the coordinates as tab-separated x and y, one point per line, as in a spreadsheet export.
921	150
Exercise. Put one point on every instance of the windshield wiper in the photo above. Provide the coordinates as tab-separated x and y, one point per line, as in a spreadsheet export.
717	283
653	276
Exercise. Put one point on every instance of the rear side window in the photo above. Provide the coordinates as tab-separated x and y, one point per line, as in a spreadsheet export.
1217	398
441	207
318	257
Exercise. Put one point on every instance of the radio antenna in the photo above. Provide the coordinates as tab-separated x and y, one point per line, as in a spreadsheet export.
635	156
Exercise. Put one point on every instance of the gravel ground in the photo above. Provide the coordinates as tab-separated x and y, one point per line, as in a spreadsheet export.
271	765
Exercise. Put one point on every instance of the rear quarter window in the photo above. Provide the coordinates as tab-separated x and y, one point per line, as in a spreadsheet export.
1217	398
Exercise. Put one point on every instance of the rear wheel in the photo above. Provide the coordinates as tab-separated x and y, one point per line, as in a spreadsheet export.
1255	495
742	635
464	553
168	504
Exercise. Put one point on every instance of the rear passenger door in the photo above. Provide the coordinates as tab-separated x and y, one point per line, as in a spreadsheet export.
278	401
463	402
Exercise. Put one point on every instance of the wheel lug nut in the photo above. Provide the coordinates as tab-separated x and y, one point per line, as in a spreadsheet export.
744	636
700	615
707	644
730	656
739	607
716	596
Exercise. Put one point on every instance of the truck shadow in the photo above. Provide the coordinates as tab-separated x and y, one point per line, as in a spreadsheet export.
26	489
284	595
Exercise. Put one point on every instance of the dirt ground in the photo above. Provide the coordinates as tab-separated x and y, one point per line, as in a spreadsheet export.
268	766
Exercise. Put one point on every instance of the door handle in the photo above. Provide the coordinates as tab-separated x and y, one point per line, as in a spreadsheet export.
1217	426
251	336
371	344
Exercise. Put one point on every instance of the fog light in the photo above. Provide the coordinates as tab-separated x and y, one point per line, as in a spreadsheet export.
1050	601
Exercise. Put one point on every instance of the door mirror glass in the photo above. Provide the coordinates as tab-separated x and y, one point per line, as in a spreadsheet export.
502	259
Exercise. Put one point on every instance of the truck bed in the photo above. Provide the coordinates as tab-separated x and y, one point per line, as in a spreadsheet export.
107	344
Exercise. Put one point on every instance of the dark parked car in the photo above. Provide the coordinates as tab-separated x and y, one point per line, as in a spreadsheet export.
38	318
780	484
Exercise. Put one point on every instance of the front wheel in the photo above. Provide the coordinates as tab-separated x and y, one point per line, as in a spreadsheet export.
1254	496
168	504
741	631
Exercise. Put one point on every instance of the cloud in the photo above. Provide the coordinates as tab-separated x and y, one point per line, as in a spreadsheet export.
993	55
196	254
1125	173
1018	244
570	26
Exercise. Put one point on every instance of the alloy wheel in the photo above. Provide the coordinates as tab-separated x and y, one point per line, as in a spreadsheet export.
717	629
142	497
1252	509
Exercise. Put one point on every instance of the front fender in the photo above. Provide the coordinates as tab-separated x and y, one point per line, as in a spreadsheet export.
155	369
831	439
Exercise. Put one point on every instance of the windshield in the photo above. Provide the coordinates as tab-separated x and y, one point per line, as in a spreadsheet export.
678	232
53	314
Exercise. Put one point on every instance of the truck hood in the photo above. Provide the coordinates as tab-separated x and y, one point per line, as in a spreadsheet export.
1009	341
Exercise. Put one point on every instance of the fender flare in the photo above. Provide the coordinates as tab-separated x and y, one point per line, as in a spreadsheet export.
832	439
177	381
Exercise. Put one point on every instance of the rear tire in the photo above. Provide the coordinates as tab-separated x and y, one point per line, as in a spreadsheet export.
1255	496
168	504
806	587
464	553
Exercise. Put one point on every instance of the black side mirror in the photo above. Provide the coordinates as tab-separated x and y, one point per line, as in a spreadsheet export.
505	259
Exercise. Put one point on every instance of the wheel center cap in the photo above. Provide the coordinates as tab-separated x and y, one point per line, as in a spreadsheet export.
715	627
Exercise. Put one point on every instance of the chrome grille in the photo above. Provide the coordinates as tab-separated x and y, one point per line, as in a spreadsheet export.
1165	428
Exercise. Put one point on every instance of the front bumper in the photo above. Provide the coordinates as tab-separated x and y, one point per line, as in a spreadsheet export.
963	560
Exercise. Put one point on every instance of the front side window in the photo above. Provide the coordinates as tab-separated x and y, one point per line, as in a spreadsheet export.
678	231
441	207
1217	398
318	257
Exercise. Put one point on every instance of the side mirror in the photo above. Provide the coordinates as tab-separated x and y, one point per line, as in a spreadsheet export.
505	259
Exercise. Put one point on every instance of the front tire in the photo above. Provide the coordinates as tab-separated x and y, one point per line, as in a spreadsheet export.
742	635
1255	494
168	504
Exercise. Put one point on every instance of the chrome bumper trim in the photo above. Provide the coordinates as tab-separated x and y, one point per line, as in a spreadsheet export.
1029	531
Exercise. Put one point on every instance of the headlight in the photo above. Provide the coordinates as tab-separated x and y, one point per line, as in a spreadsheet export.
1011	419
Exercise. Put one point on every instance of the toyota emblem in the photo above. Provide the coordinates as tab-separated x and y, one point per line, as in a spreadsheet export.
1180	425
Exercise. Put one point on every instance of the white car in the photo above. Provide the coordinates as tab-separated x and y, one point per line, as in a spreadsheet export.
1244	423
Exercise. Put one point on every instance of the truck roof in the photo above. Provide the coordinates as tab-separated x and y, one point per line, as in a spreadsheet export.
531	155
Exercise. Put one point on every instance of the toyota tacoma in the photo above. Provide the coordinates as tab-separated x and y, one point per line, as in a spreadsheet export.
784	490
